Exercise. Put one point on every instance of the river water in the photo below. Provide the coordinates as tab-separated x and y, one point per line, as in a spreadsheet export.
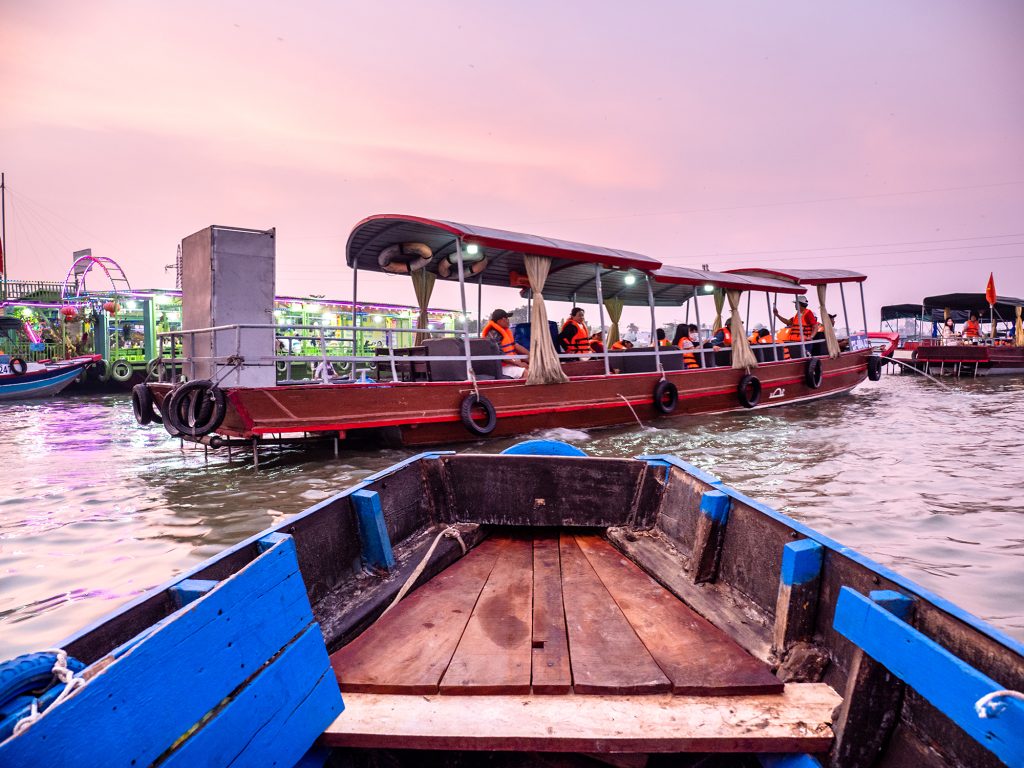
94	509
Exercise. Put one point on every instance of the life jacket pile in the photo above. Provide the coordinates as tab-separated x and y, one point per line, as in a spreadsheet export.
508	341
579	344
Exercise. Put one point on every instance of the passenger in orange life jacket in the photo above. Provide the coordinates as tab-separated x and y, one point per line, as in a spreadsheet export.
574	337
761	336
687	337
596	344
498	331
972	328
621	345
721	338
803	322
662	341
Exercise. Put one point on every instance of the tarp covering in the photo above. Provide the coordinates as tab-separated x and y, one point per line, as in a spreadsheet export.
1005	307
804	276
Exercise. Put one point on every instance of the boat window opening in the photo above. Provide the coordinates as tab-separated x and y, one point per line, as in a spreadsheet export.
600	315
470	376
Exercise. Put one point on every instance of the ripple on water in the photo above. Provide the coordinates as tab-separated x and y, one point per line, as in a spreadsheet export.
95	509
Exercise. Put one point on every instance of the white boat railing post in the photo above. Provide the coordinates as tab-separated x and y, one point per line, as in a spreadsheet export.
480	300
700	330
324	377
771	326
600	315
654	324
746	325
465	316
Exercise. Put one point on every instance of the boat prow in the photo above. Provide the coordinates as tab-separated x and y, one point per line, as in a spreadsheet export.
535	603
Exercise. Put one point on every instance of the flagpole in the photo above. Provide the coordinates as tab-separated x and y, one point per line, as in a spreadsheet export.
3	232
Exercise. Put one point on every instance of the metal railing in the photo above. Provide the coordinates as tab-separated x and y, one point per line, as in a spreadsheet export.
332	354
26	289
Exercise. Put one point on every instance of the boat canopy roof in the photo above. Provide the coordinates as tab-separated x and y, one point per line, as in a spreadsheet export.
919	312
572	268
695	278
1005	307
804	276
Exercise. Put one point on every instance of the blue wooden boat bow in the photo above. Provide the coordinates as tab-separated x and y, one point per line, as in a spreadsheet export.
474	580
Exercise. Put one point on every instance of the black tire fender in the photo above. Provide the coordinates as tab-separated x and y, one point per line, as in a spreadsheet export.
666	396
18	366
749	391
142	406
812	375
874	368
195	408
121	370
469	403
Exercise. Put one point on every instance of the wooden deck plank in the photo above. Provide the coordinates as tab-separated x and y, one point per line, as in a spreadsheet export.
493	656
796	720
605	654
408	649
696	656
551	670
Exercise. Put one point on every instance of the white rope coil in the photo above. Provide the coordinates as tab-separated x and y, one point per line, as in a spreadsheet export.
61	673
451	532
987	706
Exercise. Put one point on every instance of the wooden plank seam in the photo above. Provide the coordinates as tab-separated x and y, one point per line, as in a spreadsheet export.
951	685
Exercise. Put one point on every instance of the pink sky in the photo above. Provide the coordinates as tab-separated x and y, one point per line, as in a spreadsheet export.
697	133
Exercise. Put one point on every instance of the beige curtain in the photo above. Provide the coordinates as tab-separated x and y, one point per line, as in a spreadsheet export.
742	354
544	365
719	303
830	333
614	307
423	283
1018	331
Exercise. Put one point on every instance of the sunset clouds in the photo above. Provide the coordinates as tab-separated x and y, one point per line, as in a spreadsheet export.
670	129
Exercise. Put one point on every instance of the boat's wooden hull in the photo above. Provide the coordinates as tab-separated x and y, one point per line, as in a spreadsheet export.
428	413
984	359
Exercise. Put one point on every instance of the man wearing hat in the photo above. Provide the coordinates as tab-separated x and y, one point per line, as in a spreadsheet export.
497	330
803	323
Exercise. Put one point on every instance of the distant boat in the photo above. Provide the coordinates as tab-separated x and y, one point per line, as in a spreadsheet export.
557	603
20	380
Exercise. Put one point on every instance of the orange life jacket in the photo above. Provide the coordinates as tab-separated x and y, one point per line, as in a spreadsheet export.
727	334
617	346
579	344
804	321
508	341
784	336
689	357
972	330
664	343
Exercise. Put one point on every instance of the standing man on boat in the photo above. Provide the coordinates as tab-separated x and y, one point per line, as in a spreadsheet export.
574	337
803	322
497	330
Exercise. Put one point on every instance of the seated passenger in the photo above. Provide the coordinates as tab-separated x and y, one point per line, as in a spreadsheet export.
574	338
686	339
972	328
497	330
621	345
662	341
721	338
596	344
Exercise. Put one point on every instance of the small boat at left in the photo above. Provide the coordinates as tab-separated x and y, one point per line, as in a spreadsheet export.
20	380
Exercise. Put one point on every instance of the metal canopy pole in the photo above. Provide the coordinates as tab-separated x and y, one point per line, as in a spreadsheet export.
465	318
746	325
355	331
863	306
700	330
600	314
480	301
771	325
654	325
846	317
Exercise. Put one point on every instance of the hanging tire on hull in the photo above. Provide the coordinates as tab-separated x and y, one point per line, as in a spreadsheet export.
874	368
472	402
749	391
142	406
812	376
121	370
18	366
666	396
196	408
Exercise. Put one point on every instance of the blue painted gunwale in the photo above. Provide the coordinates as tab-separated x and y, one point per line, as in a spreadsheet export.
911	586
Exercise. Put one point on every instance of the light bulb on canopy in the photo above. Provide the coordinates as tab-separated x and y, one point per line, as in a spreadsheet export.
708	288
629	279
